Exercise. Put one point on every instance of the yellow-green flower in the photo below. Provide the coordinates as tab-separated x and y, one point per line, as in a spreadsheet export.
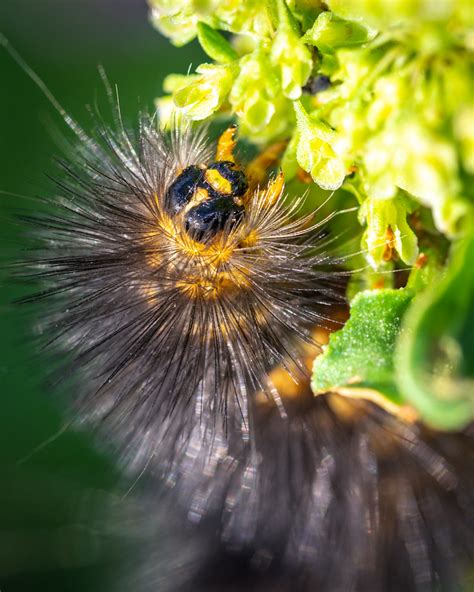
316	151
388	229
177	19
409	156
386	13
264	112
290	55
329	32
204	95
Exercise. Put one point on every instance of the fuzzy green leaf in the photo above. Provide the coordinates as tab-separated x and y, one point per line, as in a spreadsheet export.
360	355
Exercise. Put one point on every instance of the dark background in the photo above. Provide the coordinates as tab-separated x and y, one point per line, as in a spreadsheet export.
52	533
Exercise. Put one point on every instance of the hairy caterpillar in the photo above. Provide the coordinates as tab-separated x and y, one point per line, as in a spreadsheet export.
176	319
171	278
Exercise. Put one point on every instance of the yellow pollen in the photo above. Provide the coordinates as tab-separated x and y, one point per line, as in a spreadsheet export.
218	182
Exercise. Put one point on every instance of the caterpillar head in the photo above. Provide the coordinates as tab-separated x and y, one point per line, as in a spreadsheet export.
208	214
207	198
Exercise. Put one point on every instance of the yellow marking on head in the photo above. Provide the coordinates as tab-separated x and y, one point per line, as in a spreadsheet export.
199	196
218	182
226	144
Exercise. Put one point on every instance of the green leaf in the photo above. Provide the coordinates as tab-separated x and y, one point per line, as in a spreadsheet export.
427	271
435	353
215	45
358	360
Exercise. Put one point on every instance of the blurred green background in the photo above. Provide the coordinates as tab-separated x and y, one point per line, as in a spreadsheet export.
51	501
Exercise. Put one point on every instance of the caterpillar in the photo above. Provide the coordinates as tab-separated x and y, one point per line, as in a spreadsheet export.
172	274
184	294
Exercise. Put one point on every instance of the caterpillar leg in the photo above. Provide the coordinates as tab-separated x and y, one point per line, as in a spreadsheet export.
258	168
257	171
226	144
